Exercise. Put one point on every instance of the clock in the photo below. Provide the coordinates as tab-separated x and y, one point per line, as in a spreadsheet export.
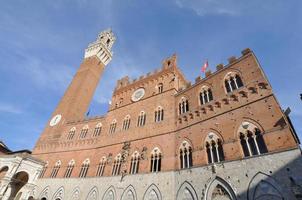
55	120
138	94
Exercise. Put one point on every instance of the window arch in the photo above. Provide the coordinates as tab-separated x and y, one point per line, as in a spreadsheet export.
214	148
97	130
155	160
205	95
126	122
71	133
55	169
183	105
141	120
69	169
43	170
84	168
134	165
159	114
112	127
84	131
101	166
185	155
160	88
116	170
251	140
232	82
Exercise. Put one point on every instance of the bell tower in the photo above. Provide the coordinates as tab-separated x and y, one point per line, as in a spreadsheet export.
76	100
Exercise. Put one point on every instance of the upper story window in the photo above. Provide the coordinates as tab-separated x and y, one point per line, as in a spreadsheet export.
71	133
43	170
134	165
84	168
101	167
155	160
97	130
141	120
185	155
232	82
159	114
126	122
112	126
214	148
69	169
84	131
55	169
183	105
116	170
251	140
160	88
205	95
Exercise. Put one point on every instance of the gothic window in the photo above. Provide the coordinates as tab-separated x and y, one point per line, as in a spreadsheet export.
159	114
155	160
116	170
101	167
84	131
69	169
205	95
141	121
214	148
43	170
183	105
232	82
251	140
112	127
55	169
84	168
185	155
126	123
97	130
134	165
160	88
71	133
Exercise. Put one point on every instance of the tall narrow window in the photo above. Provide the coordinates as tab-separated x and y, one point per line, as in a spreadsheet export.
116	170
43	170
183	105
160	88
97	130
126	123
55	169
84	168
112	127
69	169
84	131
205	95
214	148
134	165
155	165
71	133
141	120
159	114
101	167
232	82
185	155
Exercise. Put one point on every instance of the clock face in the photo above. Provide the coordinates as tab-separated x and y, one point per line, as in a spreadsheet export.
55	120
138	94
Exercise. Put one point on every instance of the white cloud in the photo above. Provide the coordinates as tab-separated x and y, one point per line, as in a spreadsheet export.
9	108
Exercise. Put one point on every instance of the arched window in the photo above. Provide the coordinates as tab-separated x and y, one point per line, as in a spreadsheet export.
112	126
183	105
232	82
84	131
141	121
251	140
214	148
134	165
101	167
185	155
160	88
126	122
71	133
155	160
116	170
205	95
159	114
55	169
43	170
84	168
69	169
97	130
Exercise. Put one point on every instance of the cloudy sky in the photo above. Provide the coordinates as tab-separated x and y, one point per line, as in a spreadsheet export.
42	45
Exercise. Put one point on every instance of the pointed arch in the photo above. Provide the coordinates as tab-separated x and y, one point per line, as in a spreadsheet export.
219	189
93	194
187	192
45	193
129	193
110	194
185	155
263	186
75	194
152	193
214	147
59	194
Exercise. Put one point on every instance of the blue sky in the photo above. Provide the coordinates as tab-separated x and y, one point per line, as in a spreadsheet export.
42	45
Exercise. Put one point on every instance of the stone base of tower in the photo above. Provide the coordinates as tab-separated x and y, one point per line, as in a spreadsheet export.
270	176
